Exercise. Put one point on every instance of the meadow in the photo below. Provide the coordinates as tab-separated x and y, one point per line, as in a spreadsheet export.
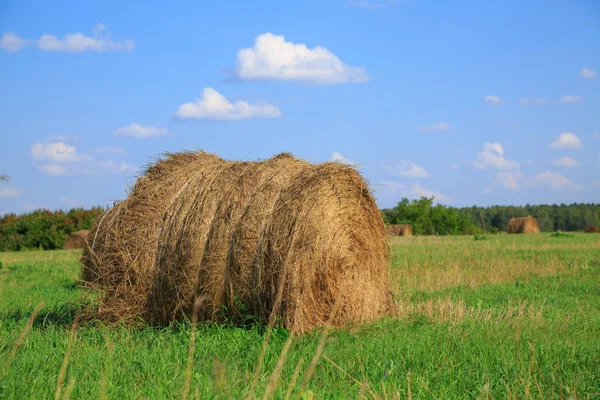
504	316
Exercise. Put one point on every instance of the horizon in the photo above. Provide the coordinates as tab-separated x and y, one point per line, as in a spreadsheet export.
474	104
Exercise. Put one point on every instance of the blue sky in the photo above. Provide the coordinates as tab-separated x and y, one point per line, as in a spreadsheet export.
474	102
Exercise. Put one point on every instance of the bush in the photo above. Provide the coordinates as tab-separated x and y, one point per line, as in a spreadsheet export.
43	229
480	237
559	234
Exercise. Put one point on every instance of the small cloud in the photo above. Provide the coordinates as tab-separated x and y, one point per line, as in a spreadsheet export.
337	157
12	42
118	168
140	131
369	5
556	181
78	42
8	192
273	59
420	191
57	152
441	127
566	140
214	106
571	99
508	180
108	150
28	206
53	169
390	187
529	101
408	169
587	73
597	134
455	167
492	156
566	162
494	100
71	203
528	163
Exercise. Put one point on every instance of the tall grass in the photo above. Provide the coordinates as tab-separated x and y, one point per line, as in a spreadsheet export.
514	316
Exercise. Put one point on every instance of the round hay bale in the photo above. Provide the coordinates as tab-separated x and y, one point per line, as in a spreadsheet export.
523	225
76	240
399	230
281	240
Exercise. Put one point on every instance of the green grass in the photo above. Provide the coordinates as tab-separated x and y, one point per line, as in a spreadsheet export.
513	316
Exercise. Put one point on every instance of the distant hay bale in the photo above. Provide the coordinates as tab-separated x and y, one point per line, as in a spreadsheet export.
399	230
280	240
523	225
76	240
592	229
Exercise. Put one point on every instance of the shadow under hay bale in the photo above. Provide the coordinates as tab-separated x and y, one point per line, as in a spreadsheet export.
76	240
280	240
523	225
399	230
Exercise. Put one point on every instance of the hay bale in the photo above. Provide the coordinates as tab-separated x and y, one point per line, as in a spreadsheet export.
76	240
280	240
399	230
523	225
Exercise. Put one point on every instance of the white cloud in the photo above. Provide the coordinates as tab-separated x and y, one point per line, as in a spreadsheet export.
214	106
118	168
390	188
57	152
587	73
527	101
420	191
8	192
370	5
492	156
566	162
78	42
12	42
140	131
408	169
556	181
53	169
508	180
494	100
455	167
108	150
566	140
597	134
441	127
274	59
71	203
28	206
337	157
573	98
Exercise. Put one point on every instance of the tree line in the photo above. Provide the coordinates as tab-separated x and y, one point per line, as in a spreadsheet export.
43	229
426	218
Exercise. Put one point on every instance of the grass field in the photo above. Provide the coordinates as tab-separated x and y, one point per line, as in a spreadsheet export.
512	316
